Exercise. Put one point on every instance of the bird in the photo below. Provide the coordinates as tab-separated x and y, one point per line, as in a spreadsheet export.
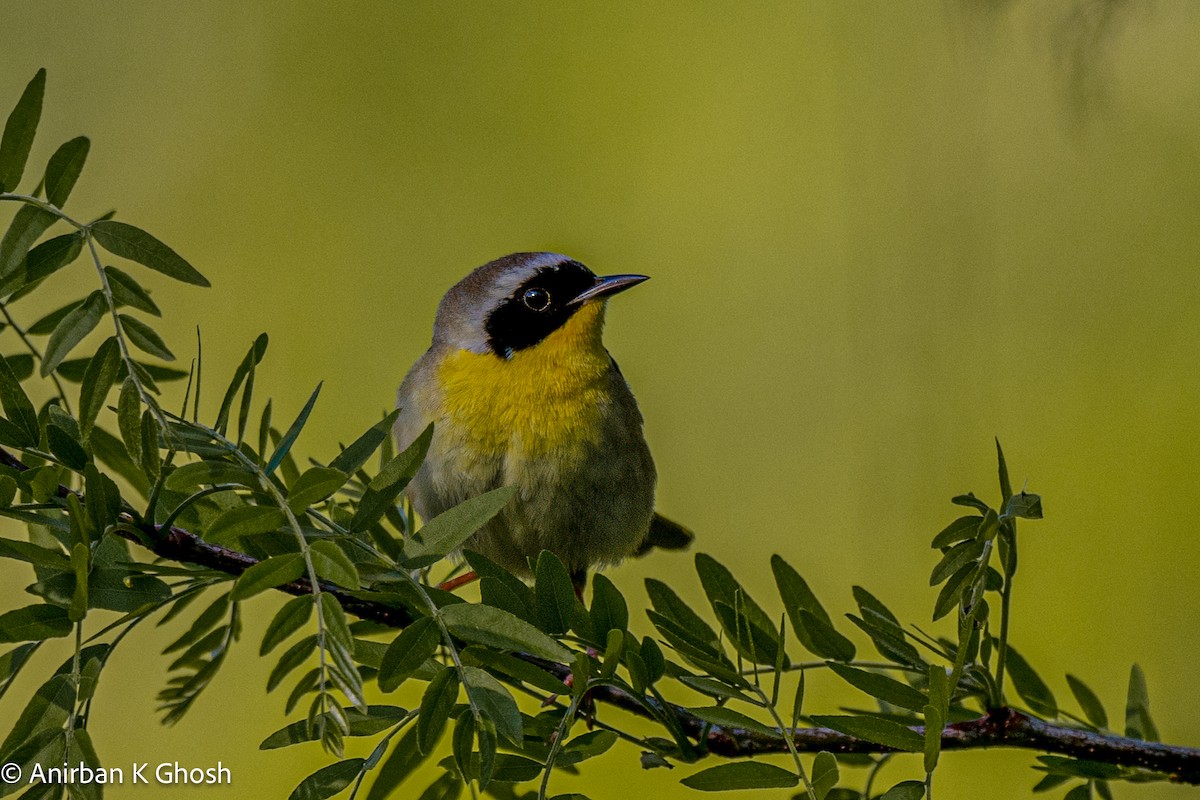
522	392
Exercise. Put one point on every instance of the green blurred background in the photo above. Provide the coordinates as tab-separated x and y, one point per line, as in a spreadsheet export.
880	235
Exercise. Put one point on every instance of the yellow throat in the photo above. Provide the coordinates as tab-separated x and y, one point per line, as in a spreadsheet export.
544	398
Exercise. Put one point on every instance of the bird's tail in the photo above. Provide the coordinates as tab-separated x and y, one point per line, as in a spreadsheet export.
665	535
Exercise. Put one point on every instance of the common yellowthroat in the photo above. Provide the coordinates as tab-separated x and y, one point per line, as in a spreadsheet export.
522	392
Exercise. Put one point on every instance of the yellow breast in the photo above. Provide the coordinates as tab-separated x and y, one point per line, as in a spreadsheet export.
544	398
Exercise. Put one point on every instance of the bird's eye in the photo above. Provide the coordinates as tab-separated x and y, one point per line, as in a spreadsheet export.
536	299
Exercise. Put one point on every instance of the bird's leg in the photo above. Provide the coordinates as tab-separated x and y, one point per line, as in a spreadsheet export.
579	581
461	580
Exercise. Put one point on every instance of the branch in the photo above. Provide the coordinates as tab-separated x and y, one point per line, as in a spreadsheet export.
1001	727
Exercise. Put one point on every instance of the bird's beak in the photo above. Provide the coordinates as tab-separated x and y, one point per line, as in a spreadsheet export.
608	286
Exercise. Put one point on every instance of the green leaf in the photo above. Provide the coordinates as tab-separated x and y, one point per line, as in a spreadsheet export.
1138	723
720	586
496	628
609	610
103	499
242	521
495	702
935	724
462	745
190	476
652	657
874	729
669	605
516	769
327	781
63	169
293	616
34	622
1005	483
292	658
955	559
498	587
950	595
99	378
881	625
728	718
47	710
406	756
42	261
333	565
935	714
208	619
448	530
289	438
35	554
822	639
21	365
1093	709
1026	505
19	131
753	641
905	790
275	571
439	698
119	590
49	322
78	323
334	617
145	338
824	774
12	662
353	457
554	595
313	486
723	589
73	369
798	700
1032	689
66	447
17	406
384	488
587	745
27	226
881	687
253	357
376	720
128	292
971	501
127	241
1080	768
407	652
508	665
110	452
79	600
795	593
741	775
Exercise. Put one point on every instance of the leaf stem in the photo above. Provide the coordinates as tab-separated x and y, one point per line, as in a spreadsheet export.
1005	600
791	745
119	330
560	734
447	640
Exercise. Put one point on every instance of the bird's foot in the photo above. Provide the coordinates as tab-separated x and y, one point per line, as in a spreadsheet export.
461	580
